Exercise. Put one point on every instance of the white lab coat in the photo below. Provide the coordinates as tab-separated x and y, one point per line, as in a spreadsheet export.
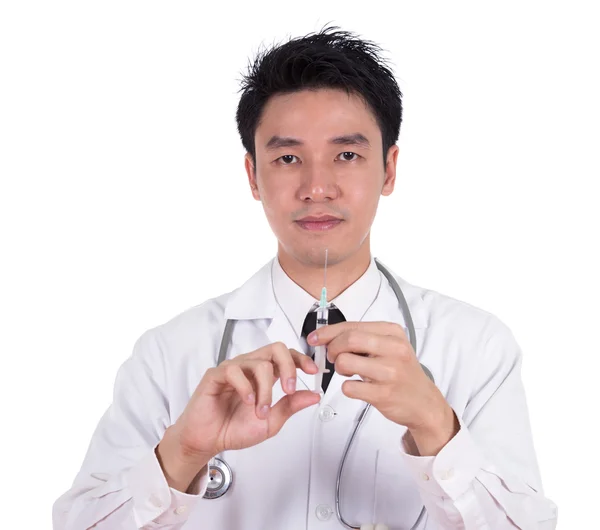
486	477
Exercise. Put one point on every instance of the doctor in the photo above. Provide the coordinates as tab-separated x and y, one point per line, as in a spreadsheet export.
319	117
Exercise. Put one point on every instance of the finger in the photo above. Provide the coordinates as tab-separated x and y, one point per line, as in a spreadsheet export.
227	375
371	368
285	364
262	372
326	334
367	392
363	342
304	362
289	405
235	376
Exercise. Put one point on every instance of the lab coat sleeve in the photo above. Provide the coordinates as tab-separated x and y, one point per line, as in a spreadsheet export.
486	476
121	484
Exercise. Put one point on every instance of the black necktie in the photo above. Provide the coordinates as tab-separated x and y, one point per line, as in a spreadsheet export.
310	324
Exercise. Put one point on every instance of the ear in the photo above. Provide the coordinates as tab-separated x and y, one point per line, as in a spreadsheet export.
390	170
251	172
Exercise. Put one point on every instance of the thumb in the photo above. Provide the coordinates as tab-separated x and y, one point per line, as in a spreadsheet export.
287	406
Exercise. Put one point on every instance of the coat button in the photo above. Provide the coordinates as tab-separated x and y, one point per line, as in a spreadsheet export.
326	413
323	512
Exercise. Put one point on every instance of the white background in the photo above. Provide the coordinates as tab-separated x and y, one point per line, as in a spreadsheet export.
124	201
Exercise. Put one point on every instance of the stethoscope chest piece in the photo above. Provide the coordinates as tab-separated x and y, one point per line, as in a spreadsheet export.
219	479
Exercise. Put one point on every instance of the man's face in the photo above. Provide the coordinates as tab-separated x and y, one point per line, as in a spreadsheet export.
320	153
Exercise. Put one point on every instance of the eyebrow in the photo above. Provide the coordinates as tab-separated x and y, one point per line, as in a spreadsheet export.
357	139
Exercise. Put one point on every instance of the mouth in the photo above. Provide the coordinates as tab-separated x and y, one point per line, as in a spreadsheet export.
318	225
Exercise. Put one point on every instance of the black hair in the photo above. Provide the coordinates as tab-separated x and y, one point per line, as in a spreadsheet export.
330	58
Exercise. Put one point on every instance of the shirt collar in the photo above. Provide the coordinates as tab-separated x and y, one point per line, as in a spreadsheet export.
295	302
255	298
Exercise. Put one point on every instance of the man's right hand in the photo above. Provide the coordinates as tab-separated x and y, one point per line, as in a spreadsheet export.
231	409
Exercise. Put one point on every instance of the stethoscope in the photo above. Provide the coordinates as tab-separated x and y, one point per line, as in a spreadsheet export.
220	474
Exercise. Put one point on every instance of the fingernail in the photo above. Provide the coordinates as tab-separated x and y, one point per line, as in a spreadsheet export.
312	338
291	384
264	411
251	398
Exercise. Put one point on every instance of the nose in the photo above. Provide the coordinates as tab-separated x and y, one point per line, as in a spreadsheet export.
318	184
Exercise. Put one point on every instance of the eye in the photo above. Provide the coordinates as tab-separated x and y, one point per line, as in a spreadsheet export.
347	156
286	160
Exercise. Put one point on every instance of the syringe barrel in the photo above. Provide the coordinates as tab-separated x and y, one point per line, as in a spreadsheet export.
322	316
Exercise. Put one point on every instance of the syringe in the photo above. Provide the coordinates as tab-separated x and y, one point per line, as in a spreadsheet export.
322	320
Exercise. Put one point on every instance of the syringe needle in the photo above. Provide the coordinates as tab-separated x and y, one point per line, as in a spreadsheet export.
325	274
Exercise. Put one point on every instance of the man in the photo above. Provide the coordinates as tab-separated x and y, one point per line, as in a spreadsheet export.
319	118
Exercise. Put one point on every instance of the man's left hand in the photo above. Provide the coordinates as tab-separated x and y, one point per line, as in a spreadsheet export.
392	379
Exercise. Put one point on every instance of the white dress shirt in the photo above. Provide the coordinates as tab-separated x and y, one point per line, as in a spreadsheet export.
485	477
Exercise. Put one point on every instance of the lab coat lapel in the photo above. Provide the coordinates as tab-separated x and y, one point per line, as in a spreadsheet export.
254	299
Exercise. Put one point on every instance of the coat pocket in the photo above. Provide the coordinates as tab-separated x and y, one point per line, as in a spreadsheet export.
397	501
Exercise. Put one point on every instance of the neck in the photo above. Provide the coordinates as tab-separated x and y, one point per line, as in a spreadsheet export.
341	273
